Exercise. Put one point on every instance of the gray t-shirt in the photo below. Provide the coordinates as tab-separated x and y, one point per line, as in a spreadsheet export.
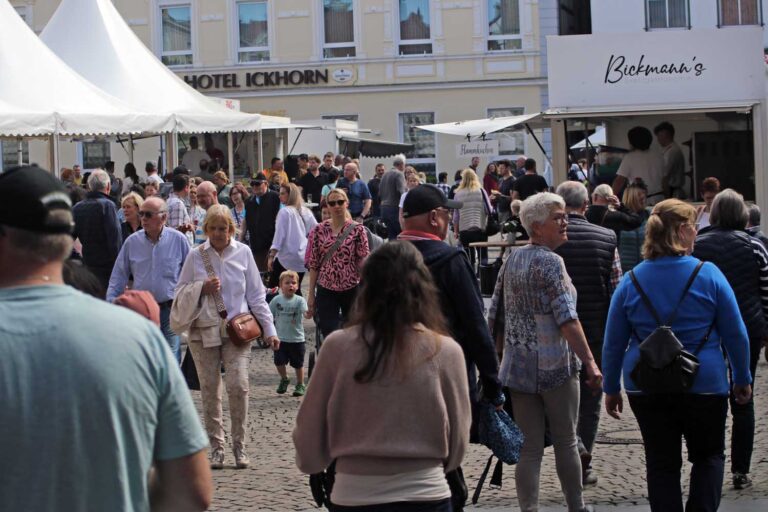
392	187
91	395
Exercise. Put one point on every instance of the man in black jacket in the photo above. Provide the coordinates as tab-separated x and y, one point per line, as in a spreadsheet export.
260	216
593	263
426	213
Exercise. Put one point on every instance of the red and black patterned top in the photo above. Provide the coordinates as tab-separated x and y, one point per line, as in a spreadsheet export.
342	271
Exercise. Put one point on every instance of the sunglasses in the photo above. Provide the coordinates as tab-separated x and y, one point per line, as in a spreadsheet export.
149	215
340	202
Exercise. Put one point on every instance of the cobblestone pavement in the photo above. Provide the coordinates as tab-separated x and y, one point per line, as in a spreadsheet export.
274	484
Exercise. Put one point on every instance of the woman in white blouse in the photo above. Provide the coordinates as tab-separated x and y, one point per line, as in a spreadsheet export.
289	244
238	281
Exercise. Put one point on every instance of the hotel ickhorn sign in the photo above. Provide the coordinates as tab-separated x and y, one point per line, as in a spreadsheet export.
254	80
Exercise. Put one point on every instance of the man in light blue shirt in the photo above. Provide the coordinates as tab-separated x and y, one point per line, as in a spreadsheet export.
154	256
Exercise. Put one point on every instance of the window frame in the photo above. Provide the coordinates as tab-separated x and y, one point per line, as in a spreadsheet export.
686	26
401	137
160	52
82	153
399	41
495	135
14	143
489	37
235	32
760	19
355	33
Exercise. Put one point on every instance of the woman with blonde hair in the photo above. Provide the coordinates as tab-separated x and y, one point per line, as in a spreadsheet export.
606	210
631	240
470	220
130	203
695	300
338	249
237	285
223	186
238	195
289	244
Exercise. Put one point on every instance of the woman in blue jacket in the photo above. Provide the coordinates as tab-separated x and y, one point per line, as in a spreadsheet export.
698	415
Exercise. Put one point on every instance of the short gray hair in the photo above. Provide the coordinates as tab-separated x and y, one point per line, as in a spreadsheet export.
98	181
537	208
754	215
729	210
574	193
399	159
604	191
42	248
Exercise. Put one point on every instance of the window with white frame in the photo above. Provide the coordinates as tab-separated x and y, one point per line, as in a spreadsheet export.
344	117
504	25
253	31
10	151
96	154
424	143
666	14
338	29
415	35
176	34
511	141
740	12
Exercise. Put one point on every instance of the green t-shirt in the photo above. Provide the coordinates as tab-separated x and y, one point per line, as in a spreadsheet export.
91	395
288	314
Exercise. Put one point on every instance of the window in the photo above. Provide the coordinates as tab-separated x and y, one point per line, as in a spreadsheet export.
176	35
253	32
415	38
96	154
338	29
423	155
504	25
10	149
740	12
666	13
344	117
511	141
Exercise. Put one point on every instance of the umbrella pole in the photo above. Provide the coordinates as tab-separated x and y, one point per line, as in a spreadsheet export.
231	157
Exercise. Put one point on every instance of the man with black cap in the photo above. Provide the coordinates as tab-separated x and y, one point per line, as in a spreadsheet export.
101	376
426	213
260	216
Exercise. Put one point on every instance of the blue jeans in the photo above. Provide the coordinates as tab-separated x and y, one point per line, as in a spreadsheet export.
171	337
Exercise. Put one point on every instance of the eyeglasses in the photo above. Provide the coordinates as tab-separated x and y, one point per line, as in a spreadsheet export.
149	215
340	202
560	219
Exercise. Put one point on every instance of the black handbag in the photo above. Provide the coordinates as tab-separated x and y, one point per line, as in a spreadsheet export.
492	225
458	487
664	366
189	370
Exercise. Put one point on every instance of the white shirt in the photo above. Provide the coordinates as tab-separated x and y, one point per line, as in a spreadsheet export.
154	178
191	160
647	165
241	285
290	240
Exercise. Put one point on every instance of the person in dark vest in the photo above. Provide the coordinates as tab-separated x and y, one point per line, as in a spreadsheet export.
744	261
592	261
260	217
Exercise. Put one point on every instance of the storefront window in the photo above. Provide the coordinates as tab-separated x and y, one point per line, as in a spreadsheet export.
511	141
96	154
253	27
338	28
176	23
740	12
10	150
504	25
666	13
344	117
423	155
415	38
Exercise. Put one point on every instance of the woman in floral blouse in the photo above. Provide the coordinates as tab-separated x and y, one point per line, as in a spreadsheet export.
533	314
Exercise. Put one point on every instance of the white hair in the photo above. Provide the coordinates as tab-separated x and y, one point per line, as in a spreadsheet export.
537	208
98	181
574	193
399	159
604	191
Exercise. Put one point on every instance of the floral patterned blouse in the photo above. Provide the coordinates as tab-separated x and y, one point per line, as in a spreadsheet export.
342	271
534	296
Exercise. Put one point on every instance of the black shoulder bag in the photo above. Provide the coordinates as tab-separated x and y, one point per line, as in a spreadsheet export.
664	367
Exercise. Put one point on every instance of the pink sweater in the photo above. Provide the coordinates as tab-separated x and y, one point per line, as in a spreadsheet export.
394	424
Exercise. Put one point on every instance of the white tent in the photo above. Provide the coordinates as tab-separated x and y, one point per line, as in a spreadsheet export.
596	139
40	95
480	127
110	55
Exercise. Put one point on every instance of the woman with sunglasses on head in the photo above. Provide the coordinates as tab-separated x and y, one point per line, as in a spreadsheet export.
338	248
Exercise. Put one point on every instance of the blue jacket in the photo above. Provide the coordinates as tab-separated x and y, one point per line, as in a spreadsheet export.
709	299
98	229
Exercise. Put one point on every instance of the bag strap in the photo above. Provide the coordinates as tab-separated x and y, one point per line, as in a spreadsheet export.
648	303
486	202
339	240
222	309
704	340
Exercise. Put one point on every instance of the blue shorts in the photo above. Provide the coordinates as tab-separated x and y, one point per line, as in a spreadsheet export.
292	353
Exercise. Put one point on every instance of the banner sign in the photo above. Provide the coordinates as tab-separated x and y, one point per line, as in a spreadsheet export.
481	148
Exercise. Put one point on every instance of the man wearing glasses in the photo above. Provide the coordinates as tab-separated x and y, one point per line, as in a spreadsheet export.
153	256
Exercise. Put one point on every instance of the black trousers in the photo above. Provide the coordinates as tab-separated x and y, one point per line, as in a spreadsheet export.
332	308
664	421
468	237
743	417
403	506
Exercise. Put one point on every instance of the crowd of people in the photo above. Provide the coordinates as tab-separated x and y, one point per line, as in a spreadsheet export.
408	353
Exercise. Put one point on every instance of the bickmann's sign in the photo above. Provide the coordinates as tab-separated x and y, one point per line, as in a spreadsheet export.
656	68
481	148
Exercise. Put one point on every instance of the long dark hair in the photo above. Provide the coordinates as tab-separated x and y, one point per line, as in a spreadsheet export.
397	292
130	172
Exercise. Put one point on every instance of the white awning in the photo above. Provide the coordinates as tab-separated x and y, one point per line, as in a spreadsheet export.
649	110
479	127
596	139
108	53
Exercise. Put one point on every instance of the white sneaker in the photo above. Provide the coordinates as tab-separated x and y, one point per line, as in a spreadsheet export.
217	458
241	458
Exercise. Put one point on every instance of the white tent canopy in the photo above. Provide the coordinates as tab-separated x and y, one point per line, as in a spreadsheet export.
479	127
110	55
41	95
596	139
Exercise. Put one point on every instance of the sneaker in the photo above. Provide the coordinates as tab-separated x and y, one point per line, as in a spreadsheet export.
589	478
741	481
283	386
299	390
241	458
217	458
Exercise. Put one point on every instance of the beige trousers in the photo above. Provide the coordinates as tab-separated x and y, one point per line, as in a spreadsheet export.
236	361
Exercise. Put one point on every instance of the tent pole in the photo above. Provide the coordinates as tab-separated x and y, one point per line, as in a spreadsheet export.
231	157
20	150
261	152
539	144
130	148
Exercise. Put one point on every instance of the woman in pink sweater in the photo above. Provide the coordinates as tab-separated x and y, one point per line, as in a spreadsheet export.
389	396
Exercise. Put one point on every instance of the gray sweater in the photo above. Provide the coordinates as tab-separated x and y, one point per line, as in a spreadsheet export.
392	186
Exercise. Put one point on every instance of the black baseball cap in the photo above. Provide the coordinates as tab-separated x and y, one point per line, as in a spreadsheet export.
426	198
29	195
259	178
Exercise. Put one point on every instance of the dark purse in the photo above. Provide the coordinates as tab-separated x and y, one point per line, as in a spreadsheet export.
664	366
492	225
189	370
321	485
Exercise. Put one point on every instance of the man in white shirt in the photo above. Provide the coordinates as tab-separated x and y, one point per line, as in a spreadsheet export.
192	157
641	164
674	161
152	175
